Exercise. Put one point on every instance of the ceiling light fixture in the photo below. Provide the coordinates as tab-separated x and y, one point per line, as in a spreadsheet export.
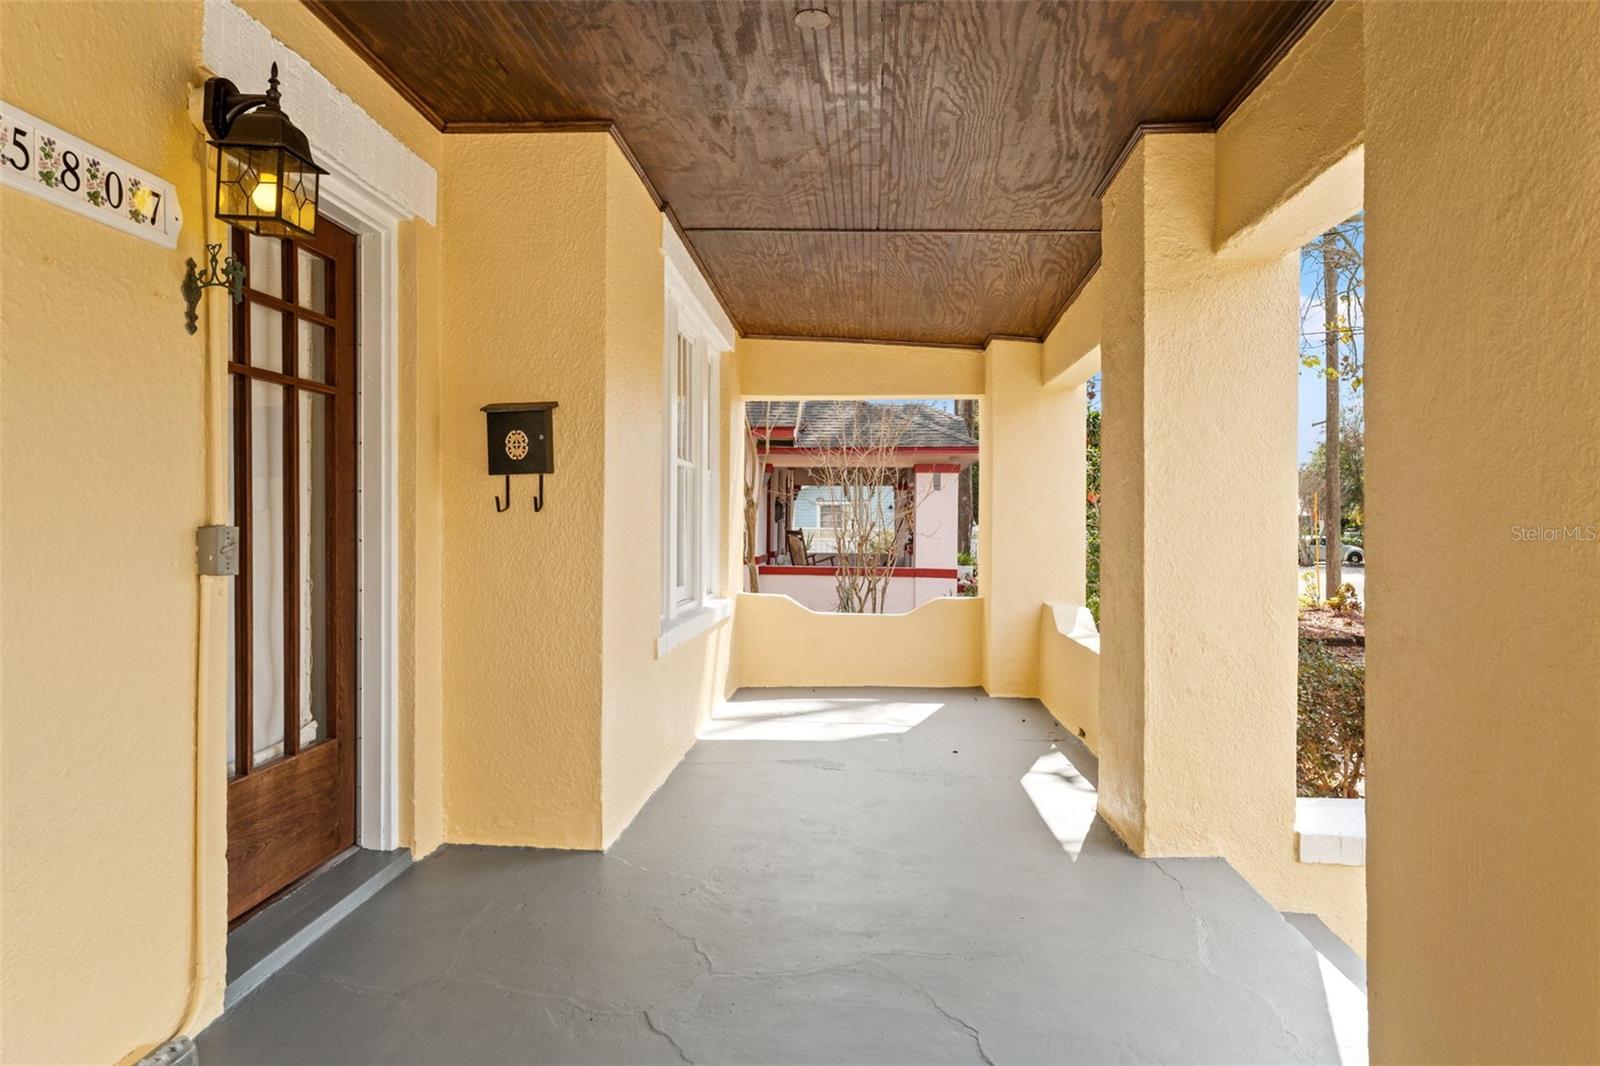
813	18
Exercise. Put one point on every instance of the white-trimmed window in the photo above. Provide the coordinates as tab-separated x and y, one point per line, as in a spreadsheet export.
691	519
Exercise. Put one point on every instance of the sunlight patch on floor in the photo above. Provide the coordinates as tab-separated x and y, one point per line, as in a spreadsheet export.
1063	797
1347	1010
831	718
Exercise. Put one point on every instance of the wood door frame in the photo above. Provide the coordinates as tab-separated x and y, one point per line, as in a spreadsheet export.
375	222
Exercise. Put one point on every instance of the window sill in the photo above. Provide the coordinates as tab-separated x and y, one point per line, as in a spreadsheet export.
687	626
1331	832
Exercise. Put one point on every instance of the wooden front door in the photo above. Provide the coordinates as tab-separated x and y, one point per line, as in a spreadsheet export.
292	685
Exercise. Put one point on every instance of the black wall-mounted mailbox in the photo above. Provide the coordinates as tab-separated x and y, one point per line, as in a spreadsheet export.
521	441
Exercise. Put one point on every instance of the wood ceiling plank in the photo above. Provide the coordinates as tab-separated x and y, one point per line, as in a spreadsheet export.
960	115
950	288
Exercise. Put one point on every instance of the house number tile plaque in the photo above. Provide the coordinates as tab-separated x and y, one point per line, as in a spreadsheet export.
47	162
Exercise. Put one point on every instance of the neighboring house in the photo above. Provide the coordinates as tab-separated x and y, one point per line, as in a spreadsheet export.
819	511
915	450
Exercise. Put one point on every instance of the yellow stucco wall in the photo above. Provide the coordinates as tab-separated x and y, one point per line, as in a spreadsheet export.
1032	540
111	644
526	719
1291	154
779	643
99	610
1071	352
522	600
1483	417
1197	701
795	369
652	706
560	718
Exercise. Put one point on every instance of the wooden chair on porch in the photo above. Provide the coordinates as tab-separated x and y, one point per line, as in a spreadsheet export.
799	556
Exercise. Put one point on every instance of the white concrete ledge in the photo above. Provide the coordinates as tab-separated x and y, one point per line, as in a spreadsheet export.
1331	831
1076	623
691	625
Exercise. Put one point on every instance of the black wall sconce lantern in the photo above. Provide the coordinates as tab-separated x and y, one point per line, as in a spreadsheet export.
267	181
266	178
521	441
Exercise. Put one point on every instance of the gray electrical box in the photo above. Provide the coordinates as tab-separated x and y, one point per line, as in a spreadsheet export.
218	550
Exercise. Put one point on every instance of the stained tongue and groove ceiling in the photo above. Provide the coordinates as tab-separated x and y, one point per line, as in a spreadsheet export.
914	171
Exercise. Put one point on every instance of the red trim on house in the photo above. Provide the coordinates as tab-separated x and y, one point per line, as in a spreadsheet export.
829	571
918	450
775	432
938	468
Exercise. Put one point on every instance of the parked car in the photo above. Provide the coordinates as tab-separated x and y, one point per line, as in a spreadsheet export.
1354	554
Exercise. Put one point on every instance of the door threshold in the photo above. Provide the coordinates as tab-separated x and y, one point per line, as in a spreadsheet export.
271	937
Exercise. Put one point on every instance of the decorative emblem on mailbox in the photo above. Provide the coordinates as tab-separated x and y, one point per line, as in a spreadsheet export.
521	441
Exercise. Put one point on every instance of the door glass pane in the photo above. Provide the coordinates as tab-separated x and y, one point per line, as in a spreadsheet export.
311	283
266	569
266	265
266	338
313	350
315	432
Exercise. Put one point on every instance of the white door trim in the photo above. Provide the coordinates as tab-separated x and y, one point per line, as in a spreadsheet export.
376	223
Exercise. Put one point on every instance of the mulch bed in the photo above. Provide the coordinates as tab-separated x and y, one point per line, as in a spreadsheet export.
1345	635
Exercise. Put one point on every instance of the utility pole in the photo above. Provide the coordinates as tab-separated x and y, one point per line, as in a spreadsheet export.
1333	506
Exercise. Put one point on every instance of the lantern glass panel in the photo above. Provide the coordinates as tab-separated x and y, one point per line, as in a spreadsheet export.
299	199
270	191
247	183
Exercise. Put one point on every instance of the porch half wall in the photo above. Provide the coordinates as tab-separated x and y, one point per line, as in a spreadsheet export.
778	643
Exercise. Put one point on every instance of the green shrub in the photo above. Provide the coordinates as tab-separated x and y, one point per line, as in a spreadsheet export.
966	559
1332	737
1345	601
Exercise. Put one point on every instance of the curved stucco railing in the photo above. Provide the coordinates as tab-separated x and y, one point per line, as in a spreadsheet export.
1069	668
778	642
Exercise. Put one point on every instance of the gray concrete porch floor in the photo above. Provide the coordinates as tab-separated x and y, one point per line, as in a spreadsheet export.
831	876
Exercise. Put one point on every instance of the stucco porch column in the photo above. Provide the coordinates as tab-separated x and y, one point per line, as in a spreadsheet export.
1483	519
1197	682
1031	441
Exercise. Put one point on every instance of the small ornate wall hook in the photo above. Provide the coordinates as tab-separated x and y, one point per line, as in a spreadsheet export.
230	275
538	501
501	508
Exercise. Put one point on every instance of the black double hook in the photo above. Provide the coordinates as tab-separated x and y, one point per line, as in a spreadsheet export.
538	501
